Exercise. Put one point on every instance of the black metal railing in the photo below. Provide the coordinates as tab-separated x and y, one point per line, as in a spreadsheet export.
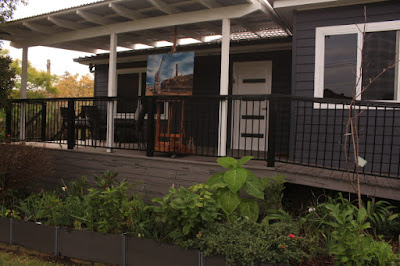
274	128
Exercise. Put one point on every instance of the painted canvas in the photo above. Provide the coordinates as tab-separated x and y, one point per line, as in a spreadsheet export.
170	74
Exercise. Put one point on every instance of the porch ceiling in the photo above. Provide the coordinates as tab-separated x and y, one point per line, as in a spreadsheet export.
87	28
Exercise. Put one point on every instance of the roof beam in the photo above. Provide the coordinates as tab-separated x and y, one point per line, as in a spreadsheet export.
67	24
209	3
125	12
162	6
39	28
93	18
271	12
145	24
80	48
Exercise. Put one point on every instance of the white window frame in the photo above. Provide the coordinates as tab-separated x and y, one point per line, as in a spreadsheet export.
322	32
123	71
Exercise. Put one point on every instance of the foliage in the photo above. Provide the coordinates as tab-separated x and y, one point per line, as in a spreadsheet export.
273	190
20	168
379	213
7	8
228	186
349	243
70	85
106	208
247	242
40	83
7	75
182	213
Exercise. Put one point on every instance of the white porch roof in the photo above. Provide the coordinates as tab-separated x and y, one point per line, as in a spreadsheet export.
88	27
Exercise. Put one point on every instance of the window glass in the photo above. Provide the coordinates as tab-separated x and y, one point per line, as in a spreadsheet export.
340	65
378	53
128	86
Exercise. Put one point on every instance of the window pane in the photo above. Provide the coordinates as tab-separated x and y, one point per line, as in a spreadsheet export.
378	53
340	65
128	85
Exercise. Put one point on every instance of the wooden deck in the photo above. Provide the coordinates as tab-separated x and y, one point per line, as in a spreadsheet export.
155	175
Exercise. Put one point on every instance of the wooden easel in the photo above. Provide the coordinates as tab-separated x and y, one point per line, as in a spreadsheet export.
172	142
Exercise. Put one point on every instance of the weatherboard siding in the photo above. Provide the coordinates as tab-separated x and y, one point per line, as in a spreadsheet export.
318	134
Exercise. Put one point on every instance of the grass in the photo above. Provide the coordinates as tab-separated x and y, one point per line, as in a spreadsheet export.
11	258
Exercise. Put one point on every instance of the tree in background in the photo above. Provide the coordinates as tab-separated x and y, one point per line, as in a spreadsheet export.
7	8
70	85
40	83
7	75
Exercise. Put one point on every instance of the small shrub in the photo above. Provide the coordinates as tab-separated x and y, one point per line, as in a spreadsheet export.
246	242
347	238
273	190
182	213
20	168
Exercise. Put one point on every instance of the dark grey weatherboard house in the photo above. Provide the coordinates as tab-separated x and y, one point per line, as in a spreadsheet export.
272	79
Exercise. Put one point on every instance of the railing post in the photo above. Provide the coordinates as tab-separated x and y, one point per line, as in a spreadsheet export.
150	126
44	118
271	132
22	121
70	124
8	122
110	125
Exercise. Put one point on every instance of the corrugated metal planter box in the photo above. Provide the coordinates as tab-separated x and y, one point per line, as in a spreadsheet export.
4	230
147	252
33	236
214	261
90	246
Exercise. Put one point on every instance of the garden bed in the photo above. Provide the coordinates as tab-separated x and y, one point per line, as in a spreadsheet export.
97	247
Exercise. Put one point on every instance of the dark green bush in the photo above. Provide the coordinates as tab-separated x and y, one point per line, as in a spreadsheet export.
247	242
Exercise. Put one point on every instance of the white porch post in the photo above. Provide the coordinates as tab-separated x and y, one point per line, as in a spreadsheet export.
24	85
112	90
224	86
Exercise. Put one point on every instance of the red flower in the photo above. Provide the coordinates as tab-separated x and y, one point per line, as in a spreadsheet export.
291	236
198	234
283	246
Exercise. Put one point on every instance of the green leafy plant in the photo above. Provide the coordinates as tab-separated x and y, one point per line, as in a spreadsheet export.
273	190
348	240
228	186
246	242
182	213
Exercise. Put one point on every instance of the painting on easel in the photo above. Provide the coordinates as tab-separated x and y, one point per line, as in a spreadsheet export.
170	74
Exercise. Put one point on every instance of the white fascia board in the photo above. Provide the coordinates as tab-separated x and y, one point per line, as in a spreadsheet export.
145	24
292	3
319	3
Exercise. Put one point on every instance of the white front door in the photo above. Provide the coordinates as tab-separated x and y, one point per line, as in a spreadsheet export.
249	116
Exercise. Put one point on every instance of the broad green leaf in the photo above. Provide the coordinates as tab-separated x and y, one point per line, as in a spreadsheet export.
253	186
235	178
229	201
227	162
186	229
206	216
175	234
243	160
249	208
362	215
215	179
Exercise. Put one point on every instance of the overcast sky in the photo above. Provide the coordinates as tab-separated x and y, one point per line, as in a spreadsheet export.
61	60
